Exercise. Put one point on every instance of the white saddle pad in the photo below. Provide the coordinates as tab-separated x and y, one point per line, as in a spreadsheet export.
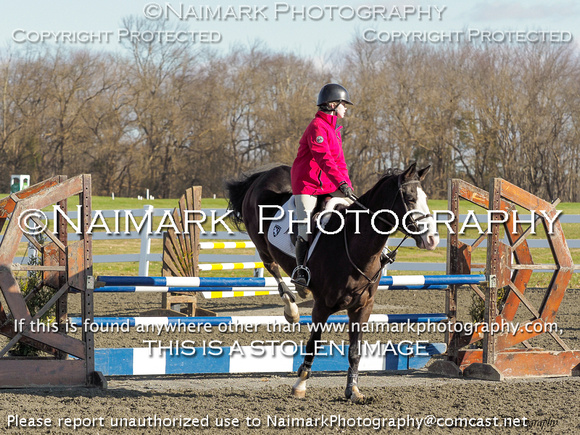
279	230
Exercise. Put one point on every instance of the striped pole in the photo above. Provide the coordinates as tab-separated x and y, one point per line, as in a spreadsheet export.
175	322
283	358
182	282
166	289
238	294
231	266
244	293
226	245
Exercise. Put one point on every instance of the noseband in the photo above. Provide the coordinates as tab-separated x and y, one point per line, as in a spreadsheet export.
390	257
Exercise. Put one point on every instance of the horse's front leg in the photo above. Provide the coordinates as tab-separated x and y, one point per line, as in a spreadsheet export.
291	313
319	316
357	318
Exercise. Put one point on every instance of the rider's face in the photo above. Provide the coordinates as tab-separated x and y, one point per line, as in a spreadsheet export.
341	109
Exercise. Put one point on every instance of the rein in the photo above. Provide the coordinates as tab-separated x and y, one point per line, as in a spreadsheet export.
390	257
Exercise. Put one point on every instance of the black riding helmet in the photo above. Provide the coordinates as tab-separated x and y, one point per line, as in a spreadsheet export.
333	92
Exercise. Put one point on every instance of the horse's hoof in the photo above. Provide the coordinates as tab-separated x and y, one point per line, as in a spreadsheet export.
299	394
354	395
303	292
357	398
291	319
291	313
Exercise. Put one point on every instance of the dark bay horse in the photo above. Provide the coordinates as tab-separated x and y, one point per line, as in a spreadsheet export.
345	267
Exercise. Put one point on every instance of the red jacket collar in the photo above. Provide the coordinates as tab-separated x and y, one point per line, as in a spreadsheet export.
330	119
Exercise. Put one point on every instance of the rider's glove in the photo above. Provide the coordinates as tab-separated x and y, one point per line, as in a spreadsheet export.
346	189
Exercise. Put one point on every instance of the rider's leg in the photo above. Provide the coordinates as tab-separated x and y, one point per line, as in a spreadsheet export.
304	206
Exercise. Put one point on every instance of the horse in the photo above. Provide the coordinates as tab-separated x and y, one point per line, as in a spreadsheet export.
346	263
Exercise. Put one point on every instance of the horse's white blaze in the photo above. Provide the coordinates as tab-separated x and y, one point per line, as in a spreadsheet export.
430	238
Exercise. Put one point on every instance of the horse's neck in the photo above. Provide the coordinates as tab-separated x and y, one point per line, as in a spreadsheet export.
364	244
371	240
367	239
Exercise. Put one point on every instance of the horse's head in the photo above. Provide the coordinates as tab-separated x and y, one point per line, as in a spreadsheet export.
410	205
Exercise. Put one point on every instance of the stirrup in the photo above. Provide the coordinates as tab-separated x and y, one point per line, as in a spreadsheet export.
295	271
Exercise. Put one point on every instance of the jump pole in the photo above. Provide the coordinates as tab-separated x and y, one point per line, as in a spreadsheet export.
160	289
184	282
253	320
255	359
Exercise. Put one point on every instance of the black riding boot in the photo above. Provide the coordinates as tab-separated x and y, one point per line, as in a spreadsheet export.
301	274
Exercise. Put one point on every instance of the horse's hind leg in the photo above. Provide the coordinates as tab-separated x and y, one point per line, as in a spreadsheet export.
319	316
291	313
357	318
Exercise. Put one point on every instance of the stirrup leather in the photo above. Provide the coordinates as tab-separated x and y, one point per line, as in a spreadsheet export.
296	270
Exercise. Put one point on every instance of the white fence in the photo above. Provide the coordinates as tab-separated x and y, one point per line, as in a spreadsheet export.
144	257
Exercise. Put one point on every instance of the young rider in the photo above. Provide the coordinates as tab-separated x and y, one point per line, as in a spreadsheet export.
319	167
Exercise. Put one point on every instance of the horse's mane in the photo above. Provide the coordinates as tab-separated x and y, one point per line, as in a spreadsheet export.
391	171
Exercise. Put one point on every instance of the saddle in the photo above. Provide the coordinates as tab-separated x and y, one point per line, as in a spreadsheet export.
279	232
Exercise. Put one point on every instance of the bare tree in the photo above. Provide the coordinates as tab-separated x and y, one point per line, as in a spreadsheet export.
168	116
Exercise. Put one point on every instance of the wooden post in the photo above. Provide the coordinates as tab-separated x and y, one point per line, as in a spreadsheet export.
453	260
181	255
64	266
499	358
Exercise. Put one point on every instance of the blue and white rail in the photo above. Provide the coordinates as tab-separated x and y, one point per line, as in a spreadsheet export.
254	320
186	282
283	358
164	289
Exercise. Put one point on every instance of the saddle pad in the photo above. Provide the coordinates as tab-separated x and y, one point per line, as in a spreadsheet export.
278	232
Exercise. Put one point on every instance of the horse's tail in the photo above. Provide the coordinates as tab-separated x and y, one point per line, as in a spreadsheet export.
237	190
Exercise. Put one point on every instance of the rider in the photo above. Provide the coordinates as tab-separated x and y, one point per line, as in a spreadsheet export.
319	167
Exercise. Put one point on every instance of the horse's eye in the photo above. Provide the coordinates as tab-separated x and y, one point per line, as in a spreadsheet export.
409	197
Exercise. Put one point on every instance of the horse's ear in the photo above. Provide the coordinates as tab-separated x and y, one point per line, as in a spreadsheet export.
408	173
422	173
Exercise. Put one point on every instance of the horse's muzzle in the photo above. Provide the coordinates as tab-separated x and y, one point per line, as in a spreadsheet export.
428	241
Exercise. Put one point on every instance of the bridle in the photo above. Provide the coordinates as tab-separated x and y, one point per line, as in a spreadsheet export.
390	257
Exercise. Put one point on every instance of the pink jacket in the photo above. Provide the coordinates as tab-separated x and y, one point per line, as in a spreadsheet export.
319	167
